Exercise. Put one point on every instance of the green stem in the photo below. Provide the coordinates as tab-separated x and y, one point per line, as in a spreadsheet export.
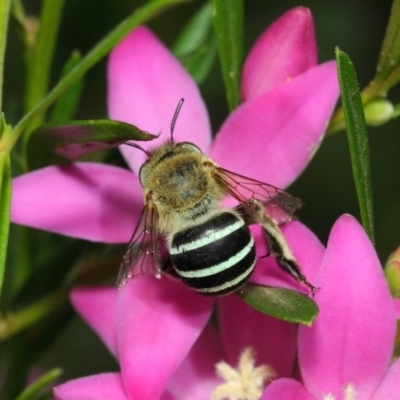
4	14
95	55
12	323
5	200
41	57
32	391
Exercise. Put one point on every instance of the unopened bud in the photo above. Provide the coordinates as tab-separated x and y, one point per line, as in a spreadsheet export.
392	273
378	112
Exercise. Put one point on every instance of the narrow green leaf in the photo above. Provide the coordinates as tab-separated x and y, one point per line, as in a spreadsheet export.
18	12
5	202
389	59
65	107
228	25
75	139
285	304
195	47
141	15
41	57
32	392
358	139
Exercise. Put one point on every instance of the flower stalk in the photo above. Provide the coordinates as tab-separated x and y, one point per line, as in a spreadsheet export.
4	16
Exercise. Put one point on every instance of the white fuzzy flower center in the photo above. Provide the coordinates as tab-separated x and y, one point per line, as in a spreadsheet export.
349	393
247	382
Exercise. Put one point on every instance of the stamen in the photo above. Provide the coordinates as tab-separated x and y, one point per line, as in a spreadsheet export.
349	393
247	382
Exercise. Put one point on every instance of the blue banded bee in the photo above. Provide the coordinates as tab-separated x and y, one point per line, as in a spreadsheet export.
210	246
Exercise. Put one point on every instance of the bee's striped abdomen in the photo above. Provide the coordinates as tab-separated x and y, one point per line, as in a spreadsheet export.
216	257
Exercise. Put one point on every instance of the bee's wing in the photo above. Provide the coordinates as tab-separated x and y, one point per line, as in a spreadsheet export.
143	247
279	205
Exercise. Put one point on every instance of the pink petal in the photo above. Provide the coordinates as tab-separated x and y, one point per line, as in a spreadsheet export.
145	84
307	250
95	387
351	340
85	200
97	306
158	322
195	378
389	387
286	389
273	137
273	340
286	49
241	326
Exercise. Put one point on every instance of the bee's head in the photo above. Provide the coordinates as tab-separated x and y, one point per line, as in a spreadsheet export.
163	152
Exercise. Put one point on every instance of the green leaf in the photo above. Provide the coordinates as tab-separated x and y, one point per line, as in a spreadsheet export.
65	107
40	57
228	26
5	202
33	391
358	139
75	139
388	68
285	304
195	47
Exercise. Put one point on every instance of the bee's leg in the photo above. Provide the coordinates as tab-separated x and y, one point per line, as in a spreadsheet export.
253	212
279	249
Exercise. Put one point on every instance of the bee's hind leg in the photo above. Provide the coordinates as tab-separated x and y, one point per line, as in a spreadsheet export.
279	249
253	212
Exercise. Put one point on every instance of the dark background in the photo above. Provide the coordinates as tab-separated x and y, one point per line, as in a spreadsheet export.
326	187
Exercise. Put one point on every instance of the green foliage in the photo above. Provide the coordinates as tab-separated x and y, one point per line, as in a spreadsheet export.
195	46
34	390
388	68
5	203
358	139
64	108
42	267
280	303
53	143
228	25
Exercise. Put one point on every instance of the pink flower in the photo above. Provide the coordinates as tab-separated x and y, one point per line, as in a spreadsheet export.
271	137
151	328
346	354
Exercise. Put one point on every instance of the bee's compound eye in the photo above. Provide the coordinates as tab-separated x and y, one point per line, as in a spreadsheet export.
143	172
190	146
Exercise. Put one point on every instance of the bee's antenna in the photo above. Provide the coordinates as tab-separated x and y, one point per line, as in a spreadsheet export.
178	108
136	146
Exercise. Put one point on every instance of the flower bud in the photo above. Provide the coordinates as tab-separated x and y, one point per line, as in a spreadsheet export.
378	112
392	273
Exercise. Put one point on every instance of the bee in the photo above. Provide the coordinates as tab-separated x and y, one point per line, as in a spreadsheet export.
210	246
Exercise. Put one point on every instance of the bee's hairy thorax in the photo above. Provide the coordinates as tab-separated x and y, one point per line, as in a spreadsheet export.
181	188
